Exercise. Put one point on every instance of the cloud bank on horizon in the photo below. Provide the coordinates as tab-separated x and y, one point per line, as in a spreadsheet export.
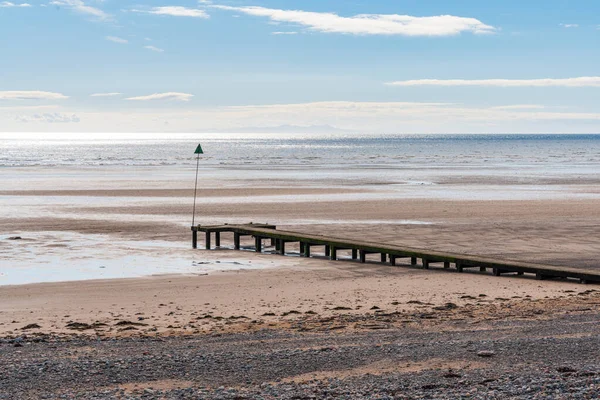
372	67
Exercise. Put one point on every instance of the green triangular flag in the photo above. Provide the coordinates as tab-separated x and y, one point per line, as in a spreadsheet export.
199	150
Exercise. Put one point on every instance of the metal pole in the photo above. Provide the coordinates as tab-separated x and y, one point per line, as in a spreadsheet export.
195	190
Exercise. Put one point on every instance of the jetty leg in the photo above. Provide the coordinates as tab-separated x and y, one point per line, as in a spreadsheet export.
482	269
383	257
327	249
258	243
333	253
459	267
236	241
301	248
273	241
354	254
540	277
194	239
363	256
218	239
207	244
282	247
446	264
277	245
307	250
425	263
392	261
413	261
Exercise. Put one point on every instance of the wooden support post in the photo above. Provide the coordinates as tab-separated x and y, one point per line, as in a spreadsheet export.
459	267
482	269
446	264
392	260
333	253
520	273
425	263
207	244
413	261
383	257
258	243
496	272
354	254
327	250
273	241
218	239
307	250
236	240
540	277
363	256
301	249
277	245
282	247
194	239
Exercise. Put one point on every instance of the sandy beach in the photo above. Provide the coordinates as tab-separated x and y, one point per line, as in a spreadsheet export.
87	266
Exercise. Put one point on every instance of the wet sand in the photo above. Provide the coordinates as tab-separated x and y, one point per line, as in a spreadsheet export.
559	232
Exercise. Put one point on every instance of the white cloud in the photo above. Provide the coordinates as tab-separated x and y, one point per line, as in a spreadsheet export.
164	96
175	11
284	33
569	25
586	81
106	94
116	39
8	4
370	24
31	95
81	7
154	48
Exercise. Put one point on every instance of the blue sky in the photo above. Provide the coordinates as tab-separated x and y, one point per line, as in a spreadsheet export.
366	66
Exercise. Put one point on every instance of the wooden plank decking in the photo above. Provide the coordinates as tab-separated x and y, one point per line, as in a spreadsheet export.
389	252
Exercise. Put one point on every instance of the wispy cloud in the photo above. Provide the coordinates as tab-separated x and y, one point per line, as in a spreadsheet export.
116	39
164	96
31	95
154	48
519	107
586	81
284	33
8	4
569	25
175	11
50	118
112	94
80	7
370	24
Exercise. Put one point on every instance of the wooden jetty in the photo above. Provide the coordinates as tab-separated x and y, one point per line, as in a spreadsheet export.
388	252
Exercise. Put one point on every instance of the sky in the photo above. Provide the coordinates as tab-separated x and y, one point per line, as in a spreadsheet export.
364	66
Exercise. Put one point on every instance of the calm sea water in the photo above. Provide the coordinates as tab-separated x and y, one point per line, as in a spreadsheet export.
388	151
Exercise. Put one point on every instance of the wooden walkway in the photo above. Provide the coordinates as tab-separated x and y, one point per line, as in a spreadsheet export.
388	252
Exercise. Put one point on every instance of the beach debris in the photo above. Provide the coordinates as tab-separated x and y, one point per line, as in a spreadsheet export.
30	326
130	323
486	353
566	370
451	374
340	308
15	238
79	326
285	314
375	308
447	306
